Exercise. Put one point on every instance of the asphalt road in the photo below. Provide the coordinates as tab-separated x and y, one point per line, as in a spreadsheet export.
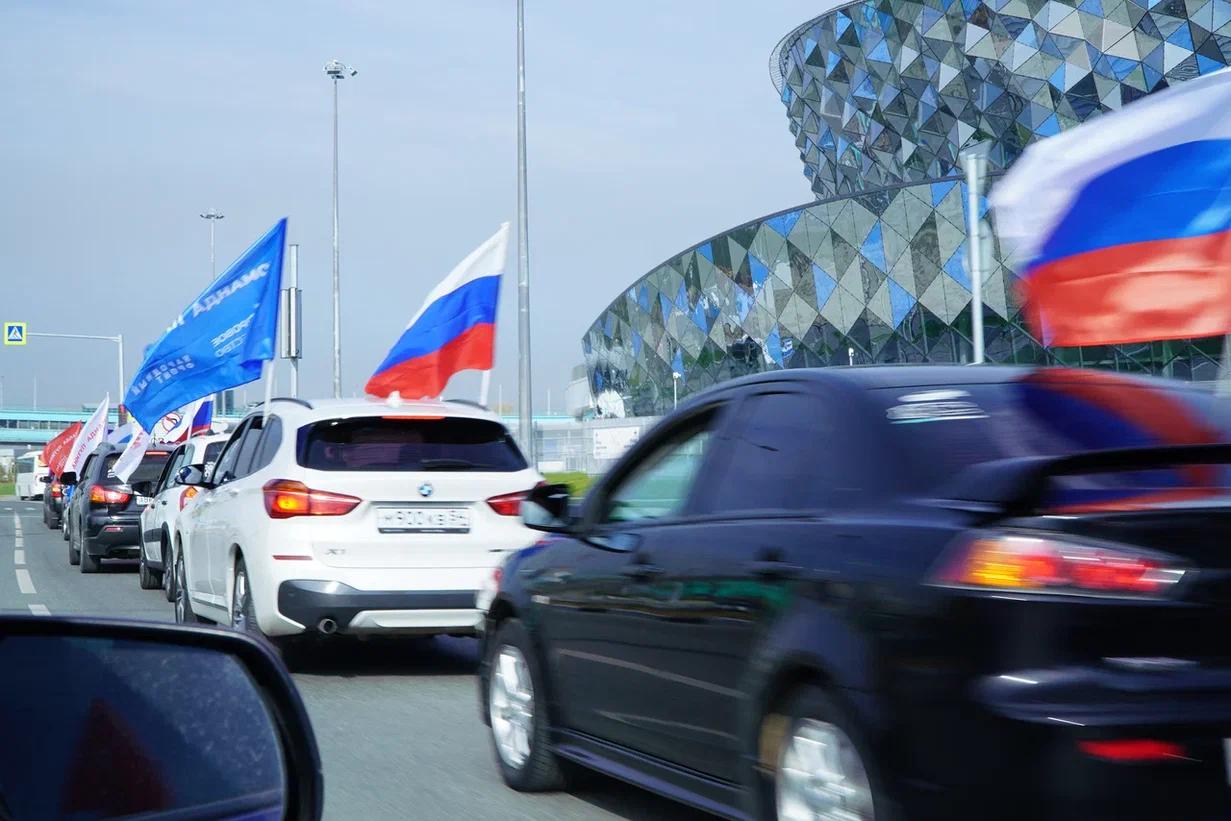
397	721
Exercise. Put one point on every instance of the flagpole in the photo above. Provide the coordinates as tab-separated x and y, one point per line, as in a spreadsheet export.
1223	387
269	389
524	403
484	385
974	159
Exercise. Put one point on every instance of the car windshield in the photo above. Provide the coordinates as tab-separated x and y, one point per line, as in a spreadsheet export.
945	429
408	444
148	471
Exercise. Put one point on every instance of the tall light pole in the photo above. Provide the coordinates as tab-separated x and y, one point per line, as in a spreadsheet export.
525	422
213	216
337	71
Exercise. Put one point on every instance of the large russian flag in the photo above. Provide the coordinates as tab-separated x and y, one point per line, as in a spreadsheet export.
455	330
1124	223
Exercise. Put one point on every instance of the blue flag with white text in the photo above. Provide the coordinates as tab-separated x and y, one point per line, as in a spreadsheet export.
219	341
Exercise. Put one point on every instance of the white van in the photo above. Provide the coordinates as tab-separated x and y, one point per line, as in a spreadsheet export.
30	472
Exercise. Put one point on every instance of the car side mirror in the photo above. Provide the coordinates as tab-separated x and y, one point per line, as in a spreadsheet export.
143	488
191	475
160	701
68	478
547	508
44	480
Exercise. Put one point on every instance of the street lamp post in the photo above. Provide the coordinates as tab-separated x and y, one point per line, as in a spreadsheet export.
213	216
675	389
337	71
524	402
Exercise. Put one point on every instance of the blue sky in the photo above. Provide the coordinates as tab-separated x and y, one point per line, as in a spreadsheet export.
651	127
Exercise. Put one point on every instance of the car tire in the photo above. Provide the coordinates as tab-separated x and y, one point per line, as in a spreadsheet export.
517	713
74	555
89	564
849	783
183	604
168	574
147	578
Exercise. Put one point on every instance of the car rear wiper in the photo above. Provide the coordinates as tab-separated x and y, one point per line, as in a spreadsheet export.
447	464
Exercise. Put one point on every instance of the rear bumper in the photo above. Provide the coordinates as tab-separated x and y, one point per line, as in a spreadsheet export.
1052	744
424	612
112	536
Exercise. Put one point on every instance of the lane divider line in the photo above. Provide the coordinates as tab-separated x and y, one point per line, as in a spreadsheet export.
19	557
39	610
19	542
24	582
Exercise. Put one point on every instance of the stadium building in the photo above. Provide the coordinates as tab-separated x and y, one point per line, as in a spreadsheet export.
882	95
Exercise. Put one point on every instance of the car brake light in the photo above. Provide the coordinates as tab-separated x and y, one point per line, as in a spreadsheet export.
508	504
106	496
285	498
57	491
1132	749
1042	564
188	494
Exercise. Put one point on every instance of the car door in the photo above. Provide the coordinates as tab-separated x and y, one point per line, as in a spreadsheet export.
596	608
233	508
154	516
81	497
207	518
756	537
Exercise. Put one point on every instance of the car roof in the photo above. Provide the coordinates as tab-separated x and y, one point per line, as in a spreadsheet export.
302	411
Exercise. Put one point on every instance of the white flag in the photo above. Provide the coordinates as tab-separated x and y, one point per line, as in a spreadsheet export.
89	437
132	455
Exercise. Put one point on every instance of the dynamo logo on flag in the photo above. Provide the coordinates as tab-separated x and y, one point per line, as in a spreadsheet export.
218	342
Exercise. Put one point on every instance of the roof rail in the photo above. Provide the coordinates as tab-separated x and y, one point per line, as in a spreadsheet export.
301	402
469	402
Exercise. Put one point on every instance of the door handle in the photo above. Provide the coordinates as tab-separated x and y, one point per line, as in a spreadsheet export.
641	570
773	569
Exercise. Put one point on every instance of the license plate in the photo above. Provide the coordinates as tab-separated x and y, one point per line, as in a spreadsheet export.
143	500
423	519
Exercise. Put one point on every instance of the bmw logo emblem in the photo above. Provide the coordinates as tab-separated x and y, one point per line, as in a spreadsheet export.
425	489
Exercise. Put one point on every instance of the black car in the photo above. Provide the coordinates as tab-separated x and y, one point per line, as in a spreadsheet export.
103	516
899	592
53	502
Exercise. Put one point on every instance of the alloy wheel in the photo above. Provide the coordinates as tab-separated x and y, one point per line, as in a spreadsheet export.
181	591
239	602
511	705
821	776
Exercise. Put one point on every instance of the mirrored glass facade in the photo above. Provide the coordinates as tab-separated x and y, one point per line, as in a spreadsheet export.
881	97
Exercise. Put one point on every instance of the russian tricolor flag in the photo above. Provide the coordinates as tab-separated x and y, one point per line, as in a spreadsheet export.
455	330
1124	223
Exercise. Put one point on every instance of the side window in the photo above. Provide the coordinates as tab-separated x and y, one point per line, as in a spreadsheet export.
224	471
270	440
783	454
172	468
86	469
659	486
248	448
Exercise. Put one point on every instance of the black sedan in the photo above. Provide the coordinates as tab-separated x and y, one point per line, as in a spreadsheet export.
900	592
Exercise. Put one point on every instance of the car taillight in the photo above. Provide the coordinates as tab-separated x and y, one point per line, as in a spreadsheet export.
57	492
285	498
187	496
1038	563
508	504
1132	749
106	496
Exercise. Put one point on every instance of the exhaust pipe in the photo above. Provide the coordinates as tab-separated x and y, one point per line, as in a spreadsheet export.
327	626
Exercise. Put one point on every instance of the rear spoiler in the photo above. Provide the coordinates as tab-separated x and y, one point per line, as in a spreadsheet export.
1017	485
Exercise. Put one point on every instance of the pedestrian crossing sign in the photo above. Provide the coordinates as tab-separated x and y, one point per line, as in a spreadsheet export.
14	333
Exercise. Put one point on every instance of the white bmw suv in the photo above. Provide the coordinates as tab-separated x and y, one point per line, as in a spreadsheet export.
352	516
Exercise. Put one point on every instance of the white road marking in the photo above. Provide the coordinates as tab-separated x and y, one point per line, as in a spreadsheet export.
19	542
39	610
24	582
19	557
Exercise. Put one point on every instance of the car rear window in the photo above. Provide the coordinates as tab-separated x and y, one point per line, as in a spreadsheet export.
212	450
408	444
148	471
941	430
